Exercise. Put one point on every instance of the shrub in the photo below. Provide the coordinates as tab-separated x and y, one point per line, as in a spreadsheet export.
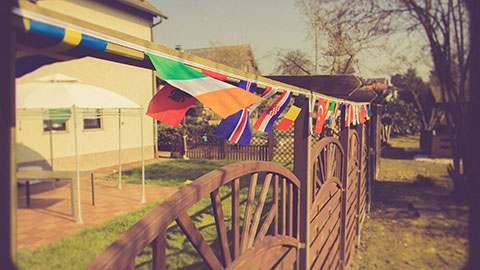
402	116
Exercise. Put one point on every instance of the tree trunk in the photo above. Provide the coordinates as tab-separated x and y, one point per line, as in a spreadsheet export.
472	161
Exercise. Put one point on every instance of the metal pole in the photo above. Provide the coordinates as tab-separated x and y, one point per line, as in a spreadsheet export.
50	127
79	204
144	199
119	149
184	139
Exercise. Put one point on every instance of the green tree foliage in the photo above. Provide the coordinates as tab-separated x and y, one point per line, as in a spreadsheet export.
413	90
167	135
402	116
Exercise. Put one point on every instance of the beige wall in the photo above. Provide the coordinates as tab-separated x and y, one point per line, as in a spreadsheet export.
91	161
101	14
131	82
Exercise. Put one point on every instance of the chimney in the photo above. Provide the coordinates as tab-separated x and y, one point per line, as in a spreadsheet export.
179	48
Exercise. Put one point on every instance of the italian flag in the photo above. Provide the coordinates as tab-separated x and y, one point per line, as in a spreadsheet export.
223	98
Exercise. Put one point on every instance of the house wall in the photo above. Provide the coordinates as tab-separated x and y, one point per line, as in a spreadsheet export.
97	148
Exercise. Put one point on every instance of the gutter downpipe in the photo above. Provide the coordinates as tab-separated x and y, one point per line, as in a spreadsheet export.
154	91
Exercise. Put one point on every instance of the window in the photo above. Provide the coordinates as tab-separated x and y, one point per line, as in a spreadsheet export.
91	119
49	125
56	119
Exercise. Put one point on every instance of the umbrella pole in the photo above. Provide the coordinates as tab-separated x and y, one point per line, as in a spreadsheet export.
144	199
50	126
119	149
79	216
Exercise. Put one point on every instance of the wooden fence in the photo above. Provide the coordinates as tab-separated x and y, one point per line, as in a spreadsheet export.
288	222
265	216
260	149
278	146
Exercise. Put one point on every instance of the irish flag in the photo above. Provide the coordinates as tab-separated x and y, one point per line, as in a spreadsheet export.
223	98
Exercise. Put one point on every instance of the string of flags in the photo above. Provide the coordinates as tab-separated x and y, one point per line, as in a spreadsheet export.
185	86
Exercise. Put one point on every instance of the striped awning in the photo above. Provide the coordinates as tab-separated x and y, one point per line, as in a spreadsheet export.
43	43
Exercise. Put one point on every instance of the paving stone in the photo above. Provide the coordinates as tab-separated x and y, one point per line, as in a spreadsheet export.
49	218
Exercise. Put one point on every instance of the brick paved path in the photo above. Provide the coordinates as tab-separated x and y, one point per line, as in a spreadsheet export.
49	217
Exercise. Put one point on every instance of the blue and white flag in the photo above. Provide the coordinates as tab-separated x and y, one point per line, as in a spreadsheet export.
265	121
236	128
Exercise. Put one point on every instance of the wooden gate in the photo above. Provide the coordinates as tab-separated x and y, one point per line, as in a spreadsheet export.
326	206
352	190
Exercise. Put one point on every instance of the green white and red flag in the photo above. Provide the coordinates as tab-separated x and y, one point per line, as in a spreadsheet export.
223	98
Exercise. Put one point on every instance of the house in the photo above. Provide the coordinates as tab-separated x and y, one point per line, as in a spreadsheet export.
98	135
237	56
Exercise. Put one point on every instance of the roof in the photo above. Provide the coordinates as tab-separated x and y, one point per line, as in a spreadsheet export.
339	86
144	6
238	56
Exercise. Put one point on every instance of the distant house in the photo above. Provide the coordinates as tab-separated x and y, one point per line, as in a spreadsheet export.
382	87
98	137
238	56
437	143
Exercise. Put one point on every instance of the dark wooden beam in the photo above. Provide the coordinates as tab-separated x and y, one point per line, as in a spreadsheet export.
301	169
338	86
8	183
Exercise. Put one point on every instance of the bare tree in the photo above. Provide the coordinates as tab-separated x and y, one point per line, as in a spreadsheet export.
294	62
444	23
347	26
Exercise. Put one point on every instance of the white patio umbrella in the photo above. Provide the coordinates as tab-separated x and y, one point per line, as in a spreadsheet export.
58	91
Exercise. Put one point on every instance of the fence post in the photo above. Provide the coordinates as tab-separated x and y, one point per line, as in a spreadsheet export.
374	150
270	145
301	168
344	140
223	149
360	173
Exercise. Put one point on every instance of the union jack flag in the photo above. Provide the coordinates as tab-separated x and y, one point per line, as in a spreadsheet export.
236	128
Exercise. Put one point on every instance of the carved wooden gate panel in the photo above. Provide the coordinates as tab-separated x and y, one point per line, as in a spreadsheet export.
326	205
352	196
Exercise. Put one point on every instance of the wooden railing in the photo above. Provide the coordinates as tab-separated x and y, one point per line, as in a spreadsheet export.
269	230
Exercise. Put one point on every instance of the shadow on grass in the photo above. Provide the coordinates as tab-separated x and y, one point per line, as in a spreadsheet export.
394	153
393	201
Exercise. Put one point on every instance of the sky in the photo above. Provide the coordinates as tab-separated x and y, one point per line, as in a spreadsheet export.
266	25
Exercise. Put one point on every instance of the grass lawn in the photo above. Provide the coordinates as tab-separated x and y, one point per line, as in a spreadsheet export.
395	236
176	173
77	251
